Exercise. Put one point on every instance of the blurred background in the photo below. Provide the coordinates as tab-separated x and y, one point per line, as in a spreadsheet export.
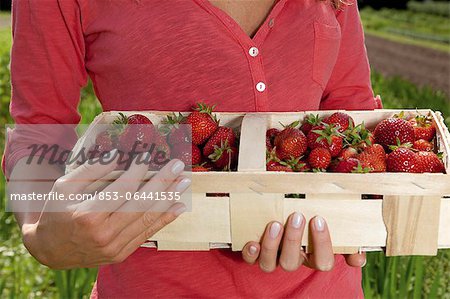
409	50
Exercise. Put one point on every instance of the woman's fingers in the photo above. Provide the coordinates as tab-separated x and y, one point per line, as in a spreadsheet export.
149	224
322	258
160	182
269	247
139	226
356	260
129	181
86	174
291	257
250	252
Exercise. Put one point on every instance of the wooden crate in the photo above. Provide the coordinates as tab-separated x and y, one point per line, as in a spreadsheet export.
412	219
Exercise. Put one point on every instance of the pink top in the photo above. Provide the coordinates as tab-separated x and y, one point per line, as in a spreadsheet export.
167	55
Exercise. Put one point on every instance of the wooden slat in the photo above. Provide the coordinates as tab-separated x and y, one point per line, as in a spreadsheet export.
250	213
253	136
314	196
209	221
351	223
181	246
412	224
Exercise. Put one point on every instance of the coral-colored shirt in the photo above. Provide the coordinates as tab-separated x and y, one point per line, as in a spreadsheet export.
167	55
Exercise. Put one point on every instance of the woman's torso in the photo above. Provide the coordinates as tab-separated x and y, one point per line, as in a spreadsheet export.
167	55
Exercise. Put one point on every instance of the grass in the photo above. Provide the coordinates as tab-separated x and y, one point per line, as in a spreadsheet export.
405	277
408	27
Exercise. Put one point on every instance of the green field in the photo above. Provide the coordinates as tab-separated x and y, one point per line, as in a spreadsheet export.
22	277
409	27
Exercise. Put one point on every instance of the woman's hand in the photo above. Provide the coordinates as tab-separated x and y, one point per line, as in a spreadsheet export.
287	239
87	235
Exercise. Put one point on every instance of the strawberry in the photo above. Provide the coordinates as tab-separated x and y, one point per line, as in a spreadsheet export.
374	158
403	160
277	166
224	157
310	122
297	164
160	153
103	143
200	168
326	136
319	158
348	153
270	137
220	136
345	166
358	136
204	123
388	131
189	156
430	162
341	120
174	130
423	145
135	133
290	143
423	127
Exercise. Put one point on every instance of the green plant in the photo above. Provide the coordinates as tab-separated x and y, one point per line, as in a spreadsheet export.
431	7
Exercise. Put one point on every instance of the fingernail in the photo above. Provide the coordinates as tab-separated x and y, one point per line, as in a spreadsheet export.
113	153
252	250
275	229
297	220
365	262
183	185
319	223
180	210
147	157
177	167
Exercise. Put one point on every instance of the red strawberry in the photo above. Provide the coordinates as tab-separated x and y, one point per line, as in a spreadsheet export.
423	127
423	145
345	166
220	136
200	168
203	122
175	131
326	136
138	119
270	137
319	158
224	157
341	120
430	162
297	164
276	166
103	144
190	154
310	122
290	143
403	160
388	131
359	136
348	153
160	154
374	158
136	133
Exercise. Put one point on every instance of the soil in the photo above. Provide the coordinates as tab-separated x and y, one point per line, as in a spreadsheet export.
422	66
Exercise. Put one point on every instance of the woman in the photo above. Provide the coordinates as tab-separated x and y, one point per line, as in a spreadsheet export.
286	55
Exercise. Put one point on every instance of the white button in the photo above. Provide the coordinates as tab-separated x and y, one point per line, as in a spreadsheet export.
253	51
260	86
271	23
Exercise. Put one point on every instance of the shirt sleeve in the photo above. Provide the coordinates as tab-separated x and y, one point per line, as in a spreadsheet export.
349	86
47	72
